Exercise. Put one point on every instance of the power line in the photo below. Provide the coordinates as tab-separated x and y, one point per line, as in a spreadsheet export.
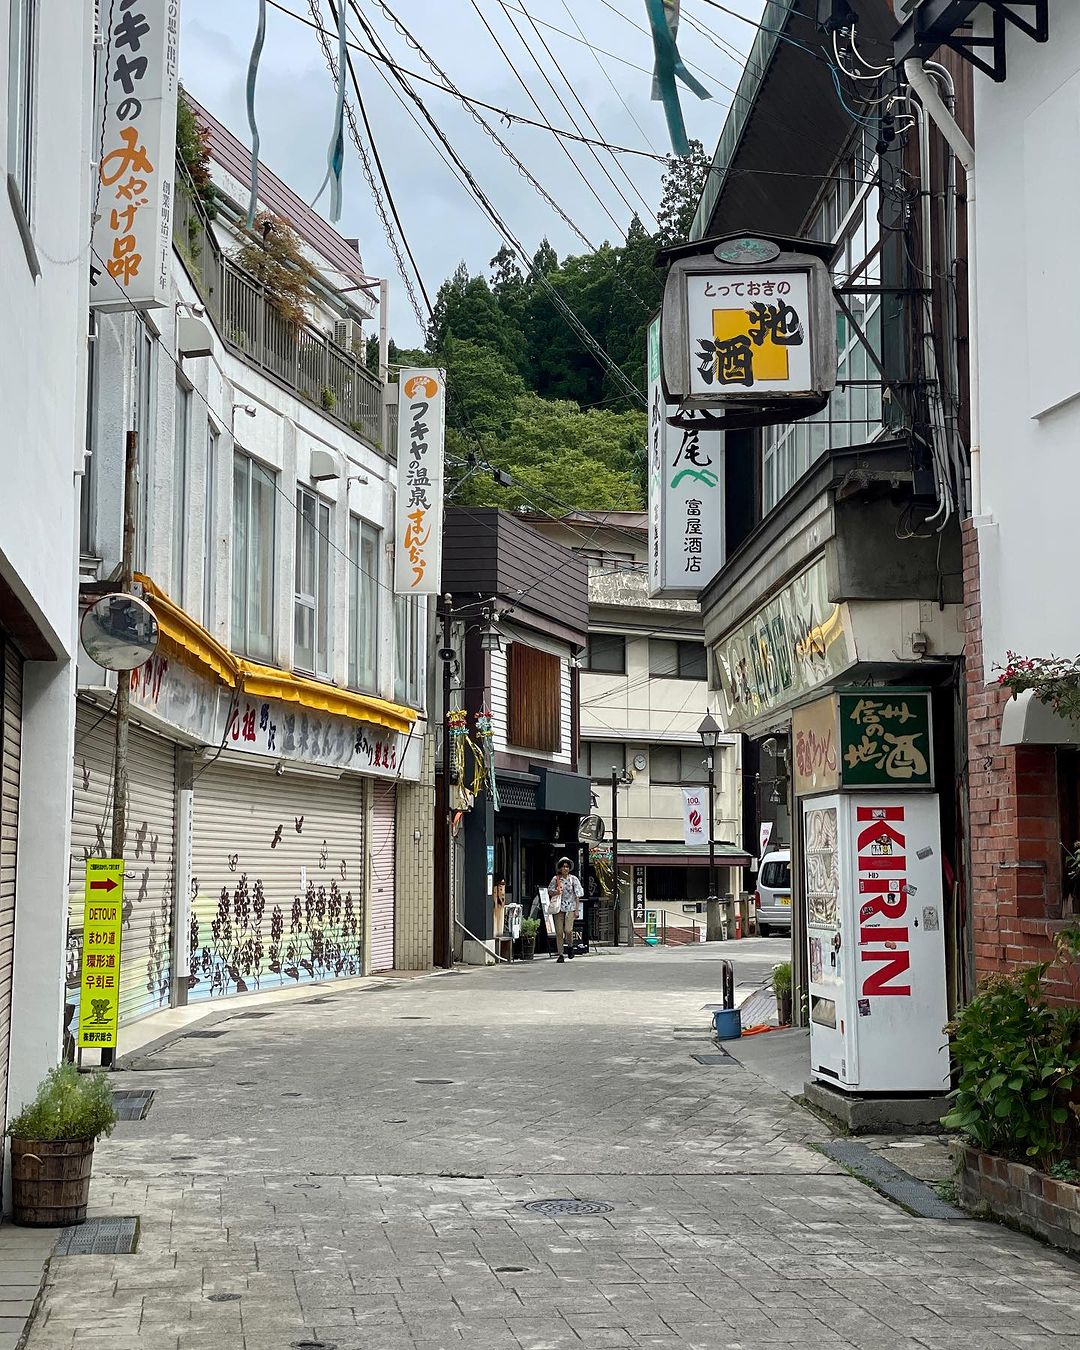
603	71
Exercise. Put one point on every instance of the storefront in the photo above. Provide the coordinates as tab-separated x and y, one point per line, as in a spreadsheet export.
670	884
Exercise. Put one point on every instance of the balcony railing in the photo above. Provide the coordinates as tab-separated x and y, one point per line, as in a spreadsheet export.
297	354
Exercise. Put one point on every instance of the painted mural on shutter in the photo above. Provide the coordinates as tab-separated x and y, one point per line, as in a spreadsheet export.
10	757
383	875
146	954
534	699
276	880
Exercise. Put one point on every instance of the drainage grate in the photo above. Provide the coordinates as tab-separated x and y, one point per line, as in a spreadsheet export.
554	1208
509	1270
248	1015
720	1060
434	1082
99	1237
314	1345
892	1181
204	1035
223	1298
132	1103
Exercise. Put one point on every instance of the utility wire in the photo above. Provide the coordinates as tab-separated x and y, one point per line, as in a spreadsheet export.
604	71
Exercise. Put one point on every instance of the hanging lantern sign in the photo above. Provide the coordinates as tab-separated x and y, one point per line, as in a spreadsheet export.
749	322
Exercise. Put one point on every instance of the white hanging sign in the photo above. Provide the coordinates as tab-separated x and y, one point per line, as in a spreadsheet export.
136	115
419	508
695	816
686	496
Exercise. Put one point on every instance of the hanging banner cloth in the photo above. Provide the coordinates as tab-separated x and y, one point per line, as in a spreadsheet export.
669	66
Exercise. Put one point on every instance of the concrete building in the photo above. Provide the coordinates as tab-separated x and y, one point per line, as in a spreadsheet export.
644	691
44	278
280	764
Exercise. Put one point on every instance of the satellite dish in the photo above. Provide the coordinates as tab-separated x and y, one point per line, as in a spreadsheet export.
590	830
119	632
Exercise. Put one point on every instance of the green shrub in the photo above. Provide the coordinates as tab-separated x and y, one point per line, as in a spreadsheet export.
781	978
1018	1059
530	928
68	1105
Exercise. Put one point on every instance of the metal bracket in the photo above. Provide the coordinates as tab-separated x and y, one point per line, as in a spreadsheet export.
936	23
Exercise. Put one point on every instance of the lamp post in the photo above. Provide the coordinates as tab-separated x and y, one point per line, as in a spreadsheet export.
709	731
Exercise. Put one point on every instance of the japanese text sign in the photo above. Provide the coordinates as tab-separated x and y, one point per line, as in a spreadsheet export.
815	742
99	982
886	739
132	231
686	487
695	816
749	331
418	517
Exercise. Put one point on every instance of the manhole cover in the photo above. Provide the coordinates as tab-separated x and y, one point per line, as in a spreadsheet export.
553	1208
99	1237
204	1035
132	1103
223	1298
434	1082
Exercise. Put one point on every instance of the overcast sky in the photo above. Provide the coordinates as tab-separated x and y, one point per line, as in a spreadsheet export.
295	96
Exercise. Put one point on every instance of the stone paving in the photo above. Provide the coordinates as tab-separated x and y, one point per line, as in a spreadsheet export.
303	1182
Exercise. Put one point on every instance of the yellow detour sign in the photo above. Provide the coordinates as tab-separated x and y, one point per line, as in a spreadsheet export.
99	1000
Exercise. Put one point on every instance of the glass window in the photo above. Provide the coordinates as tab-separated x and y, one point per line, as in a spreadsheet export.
775	875
145	412
598	758
679	765
253	559
209	524
409	640
676	660
22	43
311	609
606	653
363	603
86	483
181	436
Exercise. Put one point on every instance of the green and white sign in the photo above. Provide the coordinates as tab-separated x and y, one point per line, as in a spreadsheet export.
886	739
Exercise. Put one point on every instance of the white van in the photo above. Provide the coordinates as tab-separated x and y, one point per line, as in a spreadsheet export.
772	898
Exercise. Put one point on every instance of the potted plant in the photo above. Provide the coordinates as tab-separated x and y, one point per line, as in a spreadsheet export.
781	983
529	930
52	1147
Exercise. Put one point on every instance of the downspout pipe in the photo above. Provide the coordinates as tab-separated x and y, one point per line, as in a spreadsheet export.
925	87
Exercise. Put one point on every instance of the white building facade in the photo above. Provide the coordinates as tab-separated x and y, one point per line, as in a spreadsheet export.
280	765
46	55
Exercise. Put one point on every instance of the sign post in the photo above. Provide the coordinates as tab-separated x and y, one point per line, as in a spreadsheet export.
99	979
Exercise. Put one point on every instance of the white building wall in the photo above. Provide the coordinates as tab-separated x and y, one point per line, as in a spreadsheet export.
43	352
1028	203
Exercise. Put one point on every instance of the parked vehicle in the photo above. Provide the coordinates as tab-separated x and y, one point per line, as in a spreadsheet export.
772	898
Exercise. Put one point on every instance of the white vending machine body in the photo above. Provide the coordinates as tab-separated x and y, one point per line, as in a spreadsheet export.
872	877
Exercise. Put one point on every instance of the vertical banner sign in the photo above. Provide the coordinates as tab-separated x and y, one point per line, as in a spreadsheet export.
695	816
99	983
686	516
132	231
764	835
418	514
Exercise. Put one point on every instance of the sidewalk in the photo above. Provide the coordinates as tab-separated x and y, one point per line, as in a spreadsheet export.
24	1254
354	1172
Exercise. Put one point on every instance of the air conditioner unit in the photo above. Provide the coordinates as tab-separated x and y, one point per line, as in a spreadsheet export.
348	334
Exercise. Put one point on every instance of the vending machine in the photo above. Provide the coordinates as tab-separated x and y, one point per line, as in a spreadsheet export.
872	875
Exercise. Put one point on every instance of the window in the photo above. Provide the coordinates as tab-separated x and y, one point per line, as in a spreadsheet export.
311	609
676	765
535	699
608	560
775	876
676	660
22	43
363	603
181	434
253	559
598	758
145	413
606	653
86	483
409	641
209	524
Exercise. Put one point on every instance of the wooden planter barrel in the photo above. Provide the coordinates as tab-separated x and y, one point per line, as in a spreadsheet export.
50	1181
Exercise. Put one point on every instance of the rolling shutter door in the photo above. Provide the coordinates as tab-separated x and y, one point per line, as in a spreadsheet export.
146	954
383	878
10	754
277	890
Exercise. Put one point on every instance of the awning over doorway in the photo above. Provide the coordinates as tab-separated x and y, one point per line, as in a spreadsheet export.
1028	721
673	853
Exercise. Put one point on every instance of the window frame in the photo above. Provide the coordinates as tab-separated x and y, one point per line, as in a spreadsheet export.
683	649
146	366
213	445
314	602
410	634
588	753
180	503
259	647
587	660
684	778
364	585
22	99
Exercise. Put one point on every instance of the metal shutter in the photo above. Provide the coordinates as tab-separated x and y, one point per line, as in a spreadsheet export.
146	955
10	753
383	875
277	879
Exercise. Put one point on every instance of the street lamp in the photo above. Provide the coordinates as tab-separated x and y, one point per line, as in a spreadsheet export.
709	731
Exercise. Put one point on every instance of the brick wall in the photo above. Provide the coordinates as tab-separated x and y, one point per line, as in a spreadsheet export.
413	918
1014	825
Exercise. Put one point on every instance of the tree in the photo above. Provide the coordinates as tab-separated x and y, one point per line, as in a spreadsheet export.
275	259
466	309
682	186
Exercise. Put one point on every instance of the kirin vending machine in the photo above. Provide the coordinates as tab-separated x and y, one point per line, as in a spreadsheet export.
872	874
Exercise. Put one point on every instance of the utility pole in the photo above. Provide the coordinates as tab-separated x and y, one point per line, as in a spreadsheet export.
446	825
713	928
616	915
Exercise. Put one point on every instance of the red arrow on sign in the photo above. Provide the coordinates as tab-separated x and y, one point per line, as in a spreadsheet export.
109	885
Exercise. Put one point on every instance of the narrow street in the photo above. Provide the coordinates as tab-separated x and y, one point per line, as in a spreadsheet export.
351	1171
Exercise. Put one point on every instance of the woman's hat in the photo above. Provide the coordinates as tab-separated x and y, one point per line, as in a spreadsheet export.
564	860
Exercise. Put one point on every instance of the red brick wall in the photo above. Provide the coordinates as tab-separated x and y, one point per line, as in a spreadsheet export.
1014	822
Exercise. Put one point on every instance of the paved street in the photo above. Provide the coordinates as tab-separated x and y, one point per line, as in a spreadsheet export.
351	1172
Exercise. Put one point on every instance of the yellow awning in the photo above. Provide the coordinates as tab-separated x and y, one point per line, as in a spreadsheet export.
191	643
